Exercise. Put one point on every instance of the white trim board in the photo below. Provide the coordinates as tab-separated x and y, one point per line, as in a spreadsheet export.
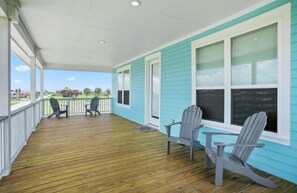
148	59
124	68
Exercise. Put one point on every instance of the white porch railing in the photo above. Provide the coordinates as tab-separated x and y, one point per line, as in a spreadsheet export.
77	105
23	122
3	126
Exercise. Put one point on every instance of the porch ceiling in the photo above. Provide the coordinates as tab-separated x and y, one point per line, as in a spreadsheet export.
68	31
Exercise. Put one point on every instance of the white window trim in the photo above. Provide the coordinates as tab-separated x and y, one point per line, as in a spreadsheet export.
147	60
281	16
127	67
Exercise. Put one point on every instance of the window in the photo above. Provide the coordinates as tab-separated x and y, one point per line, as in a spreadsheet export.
123	95
246	69
254	66
210	81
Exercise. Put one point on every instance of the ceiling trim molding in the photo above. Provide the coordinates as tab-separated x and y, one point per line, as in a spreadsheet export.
228	19
87	68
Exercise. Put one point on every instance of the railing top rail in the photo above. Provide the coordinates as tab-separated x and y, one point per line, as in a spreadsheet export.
77	98
25	107
2	118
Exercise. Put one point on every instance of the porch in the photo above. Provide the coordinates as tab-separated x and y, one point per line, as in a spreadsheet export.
108	154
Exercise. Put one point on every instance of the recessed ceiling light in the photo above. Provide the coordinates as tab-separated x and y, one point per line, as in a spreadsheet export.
102	42
135	3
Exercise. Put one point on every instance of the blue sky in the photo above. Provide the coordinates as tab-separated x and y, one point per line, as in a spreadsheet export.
57	79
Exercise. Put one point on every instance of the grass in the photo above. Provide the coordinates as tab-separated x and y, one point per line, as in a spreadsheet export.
15	102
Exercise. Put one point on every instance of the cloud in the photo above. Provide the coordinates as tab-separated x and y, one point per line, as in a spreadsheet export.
71	78
18	81
22	68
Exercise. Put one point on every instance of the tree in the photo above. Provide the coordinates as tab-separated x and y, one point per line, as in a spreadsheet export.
75	93
87	91
97	91
108	92
67	92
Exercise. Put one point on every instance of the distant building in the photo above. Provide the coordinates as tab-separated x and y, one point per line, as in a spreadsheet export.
69	92
22	94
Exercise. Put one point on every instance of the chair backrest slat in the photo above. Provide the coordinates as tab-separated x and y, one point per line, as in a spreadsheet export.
94	104
250	133
191	119
54	104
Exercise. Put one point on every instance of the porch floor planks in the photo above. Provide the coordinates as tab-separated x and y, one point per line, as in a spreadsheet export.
108	154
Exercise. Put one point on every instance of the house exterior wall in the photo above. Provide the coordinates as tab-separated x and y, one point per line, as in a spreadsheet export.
136	109
176	94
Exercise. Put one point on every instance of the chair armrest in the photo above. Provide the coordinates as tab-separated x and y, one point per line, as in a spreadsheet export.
66	106
219	133
169	125
238	145
199	127
221	146
210	134
195	131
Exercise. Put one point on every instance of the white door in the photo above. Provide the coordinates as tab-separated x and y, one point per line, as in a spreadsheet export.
154	93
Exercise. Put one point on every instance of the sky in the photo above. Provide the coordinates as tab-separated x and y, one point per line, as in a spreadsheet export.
57	79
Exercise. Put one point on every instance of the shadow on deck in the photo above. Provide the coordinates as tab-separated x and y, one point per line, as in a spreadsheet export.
108	154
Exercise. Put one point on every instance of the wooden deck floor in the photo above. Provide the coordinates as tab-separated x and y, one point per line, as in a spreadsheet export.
108	154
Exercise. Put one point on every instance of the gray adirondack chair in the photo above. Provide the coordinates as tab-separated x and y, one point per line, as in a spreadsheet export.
93	107
189	129
56	108
242	149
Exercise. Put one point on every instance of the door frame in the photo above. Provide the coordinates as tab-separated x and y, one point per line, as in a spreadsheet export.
148	59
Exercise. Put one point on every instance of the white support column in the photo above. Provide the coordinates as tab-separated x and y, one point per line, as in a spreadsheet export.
42	90
41	83
33	87
5	88
33	78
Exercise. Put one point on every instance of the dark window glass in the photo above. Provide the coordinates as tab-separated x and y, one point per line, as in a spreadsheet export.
211	103
120	100
126	97
246	102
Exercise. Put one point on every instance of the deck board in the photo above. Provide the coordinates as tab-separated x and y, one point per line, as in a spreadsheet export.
108	154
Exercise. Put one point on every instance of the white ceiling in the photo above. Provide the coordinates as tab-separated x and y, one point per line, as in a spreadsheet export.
68	31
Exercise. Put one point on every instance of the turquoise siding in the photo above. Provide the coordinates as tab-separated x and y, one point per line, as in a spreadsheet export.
136	110
279	160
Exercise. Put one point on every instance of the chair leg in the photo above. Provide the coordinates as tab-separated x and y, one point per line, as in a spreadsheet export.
168	147
192	150
50	115
219	171
207	161
199	145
